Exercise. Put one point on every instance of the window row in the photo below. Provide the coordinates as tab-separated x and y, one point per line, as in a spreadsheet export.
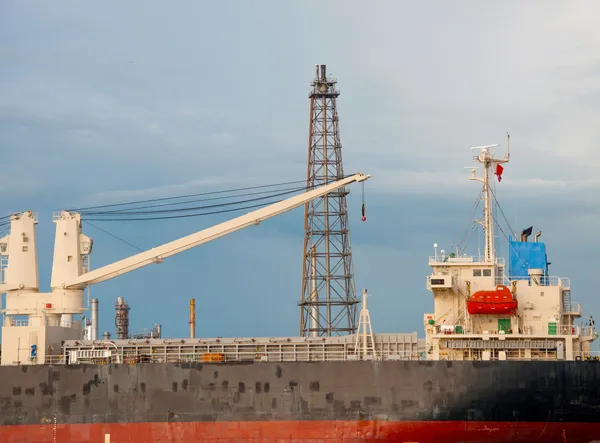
482	272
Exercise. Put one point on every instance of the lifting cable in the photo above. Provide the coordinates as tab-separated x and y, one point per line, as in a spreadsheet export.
137	211
247	188
470	223
114	236
169	217
134	209
126	216
512	231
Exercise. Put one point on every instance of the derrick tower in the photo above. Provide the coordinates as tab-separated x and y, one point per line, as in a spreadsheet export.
328	303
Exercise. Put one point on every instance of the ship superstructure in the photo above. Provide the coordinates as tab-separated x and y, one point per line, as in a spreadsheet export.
483	311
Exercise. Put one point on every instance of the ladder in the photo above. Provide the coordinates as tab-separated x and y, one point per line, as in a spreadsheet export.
3	266
567	301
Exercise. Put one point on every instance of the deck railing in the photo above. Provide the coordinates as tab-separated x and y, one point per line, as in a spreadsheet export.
550	280
158	351
465	259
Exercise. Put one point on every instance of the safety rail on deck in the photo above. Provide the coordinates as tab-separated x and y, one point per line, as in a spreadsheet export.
587	331
13	322
390	347
59	323
462	329
575	308
465	259
47	321
549	280
227	357
55	360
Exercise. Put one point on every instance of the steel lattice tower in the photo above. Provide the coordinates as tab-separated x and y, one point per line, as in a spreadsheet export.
328	304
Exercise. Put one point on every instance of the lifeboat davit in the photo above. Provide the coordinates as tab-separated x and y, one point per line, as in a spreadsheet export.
498	301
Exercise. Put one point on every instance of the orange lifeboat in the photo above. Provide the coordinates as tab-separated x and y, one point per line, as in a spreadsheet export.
498	301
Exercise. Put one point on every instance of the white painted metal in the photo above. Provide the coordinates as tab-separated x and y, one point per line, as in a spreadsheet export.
94	326
452	334
20	248
158	254
70	247
487	160
50	315
365	332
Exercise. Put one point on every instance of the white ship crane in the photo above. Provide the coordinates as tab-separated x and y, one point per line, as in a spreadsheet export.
50	314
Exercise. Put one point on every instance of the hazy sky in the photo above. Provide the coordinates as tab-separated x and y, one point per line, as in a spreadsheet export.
106	102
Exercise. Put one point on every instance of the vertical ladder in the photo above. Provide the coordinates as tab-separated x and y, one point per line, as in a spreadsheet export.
3	266
567	301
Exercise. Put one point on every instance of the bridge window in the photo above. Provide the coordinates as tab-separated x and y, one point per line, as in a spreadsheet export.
487	272
476	272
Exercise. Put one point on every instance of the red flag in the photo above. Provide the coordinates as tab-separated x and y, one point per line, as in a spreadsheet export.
499	170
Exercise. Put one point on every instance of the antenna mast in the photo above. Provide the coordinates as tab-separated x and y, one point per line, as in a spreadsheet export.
487	160
328	303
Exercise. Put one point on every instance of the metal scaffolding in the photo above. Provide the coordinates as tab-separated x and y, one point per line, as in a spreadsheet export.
328	303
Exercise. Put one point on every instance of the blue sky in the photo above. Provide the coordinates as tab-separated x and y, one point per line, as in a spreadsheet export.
108	102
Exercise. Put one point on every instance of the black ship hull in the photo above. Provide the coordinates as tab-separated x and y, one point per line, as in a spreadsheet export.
407	401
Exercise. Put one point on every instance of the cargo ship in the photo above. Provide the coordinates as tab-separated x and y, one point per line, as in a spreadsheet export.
506	357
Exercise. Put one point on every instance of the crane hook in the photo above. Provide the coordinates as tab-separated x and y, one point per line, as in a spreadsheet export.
364	208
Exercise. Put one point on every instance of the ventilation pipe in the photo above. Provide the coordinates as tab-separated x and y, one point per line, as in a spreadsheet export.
94	334
192	318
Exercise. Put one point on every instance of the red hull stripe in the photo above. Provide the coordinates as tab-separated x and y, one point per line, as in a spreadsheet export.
303	431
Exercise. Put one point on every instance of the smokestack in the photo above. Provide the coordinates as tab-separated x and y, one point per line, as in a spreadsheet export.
192	318
106	336
526	233
323	73
94	335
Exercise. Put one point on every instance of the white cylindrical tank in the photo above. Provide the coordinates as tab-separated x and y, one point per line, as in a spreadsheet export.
536	275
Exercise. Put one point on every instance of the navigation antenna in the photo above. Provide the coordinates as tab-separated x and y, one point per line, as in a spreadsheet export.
328	301
487	160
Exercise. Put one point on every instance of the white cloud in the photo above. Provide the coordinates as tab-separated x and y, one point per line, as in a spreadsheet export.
465	74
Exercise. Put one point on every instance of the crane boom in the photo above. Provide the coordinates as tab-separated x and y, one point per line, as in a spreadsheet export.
4	288
157	254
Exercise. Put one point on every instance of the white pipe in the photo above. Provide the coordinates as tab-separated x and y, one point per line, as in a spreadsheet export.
94	319
314	296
